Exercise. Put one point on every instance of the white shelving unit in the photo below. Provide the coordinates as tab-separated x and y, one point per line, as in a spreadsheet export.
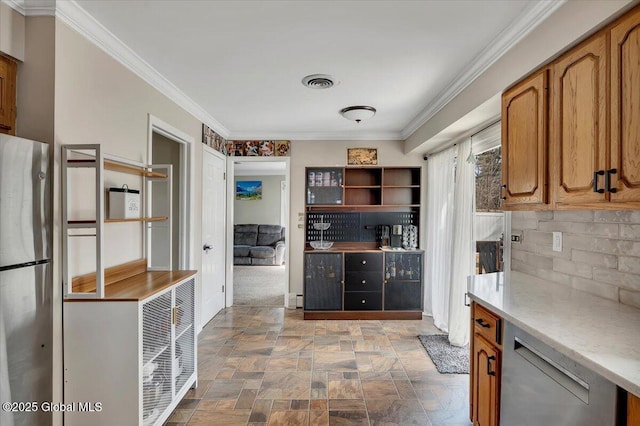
129	330
91	156
139	365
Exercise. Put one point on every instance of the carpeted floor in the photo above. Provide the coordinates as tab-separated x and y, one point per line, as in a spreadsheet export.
258	285
447	359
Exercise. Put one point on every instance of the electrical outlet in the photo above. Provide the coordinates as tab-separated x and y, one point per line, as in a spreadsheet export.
557	241
516	238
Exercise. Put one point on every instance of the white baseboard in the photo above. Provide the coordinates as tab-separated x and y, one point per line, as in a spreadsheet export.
293	301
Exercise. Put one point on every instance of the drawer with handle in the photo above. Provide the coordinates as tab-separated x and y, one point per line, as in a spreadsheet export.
363	281
363	301
363	262
487	324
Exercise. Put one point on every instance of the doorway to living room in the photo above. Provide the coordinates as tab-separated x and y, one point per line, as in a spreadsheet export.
260	227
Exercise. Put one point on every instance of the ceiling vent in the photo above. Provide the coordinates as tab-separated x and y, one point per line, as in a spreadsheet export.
318	81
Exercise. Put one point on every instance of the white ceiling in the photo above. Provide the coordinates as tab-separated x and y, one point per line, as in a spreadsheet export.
242	61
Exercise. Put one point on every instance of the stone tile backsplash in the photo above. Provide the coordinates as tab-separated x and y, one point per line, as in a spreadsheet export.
600	251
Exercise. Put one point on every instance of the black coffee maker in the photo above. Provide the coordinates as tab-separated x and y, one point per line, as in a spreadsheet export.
384	232
396	236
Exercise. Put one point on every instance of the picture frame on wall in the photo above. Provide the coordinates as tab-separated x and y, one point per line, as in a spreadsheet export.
266	148
362	156
208	135
251	148
249	190
282	148
236	149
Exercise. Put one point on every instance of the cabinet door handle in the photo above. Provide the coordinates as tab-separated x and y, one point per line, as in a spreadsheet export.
607	180
595	182
364	262
466	298
489	359
364	281
363	301
482	324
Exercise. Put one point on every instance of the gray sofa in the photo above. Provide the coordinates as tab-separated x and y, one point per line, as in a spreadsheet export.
258	245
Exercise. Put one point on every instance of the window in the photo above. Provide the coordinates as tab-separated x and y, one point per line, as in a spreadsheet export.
489	217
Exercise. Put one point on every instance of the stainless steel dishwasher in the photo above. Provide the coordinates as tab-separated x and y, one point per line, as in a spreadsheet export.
541	387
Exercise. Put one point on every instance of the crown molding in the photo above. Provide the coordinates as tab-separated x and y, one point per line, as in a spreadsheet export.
313	136
32	7
78	19
509	37
17	5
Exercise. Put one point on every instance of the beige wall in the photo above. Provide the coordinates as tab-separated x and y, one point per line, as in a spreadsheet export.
261	212
36	81
570	22
332	153
99	101
12	32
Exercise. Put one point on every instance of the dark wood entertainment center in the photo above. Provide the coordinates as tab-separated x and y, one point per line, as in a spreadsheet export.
356	278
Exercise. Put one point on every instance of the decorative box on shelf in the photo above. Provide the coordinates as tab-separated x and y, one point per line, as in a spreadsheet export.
124	203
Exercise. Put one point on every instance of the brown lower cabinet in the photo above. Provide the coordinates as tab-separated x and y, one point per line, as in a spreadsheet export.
485	368
633	410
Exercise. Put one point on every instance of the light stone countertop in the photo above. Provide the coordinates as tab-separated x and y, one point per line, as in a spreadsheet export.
600	334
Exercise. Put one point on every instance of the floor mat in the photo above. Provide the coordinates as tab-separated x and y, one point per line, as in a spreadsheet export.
447	359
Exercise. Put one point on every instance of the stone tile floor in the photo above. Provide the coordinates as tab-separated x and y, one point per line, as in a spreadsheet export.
267	366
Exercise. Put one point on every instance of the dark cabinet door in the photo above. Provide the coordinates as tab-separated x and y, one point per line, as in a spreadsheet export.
323	281
402	296
324	186
403	281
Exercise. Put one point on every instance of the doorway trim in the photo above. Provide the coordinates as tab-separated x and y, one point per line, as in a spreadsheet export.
230	219
187	183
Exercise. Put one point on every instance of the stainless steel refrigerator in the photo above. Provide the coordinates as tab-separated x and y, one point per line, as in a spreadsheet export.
25	281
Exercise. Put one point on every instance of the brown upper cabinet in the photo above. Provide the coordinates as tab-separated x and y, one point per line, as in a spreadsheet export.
625	109
579	142
524	143
594	126
8	70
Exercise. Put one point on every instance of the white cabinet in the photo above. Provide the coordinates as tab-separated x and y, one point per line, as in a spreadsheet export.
137	357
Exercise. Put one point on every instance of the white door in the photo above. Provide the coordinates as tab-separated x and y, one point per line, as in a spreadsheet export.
213	235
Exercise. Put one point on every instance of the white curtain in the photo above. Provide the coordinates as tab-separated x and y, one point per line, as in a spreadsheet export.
440	185
463	246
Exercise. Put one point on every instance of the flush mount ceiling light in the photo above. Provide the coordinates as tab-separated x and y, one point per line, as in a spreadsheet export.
358	113
318	81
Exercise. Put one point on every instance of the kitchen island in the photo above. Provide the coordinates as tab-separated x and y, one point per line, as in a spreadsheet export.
599	334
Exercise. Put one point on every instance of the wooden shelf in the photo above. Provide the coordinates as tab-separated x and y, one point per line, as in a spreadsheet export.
119	167
401	186
139	219
125	168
